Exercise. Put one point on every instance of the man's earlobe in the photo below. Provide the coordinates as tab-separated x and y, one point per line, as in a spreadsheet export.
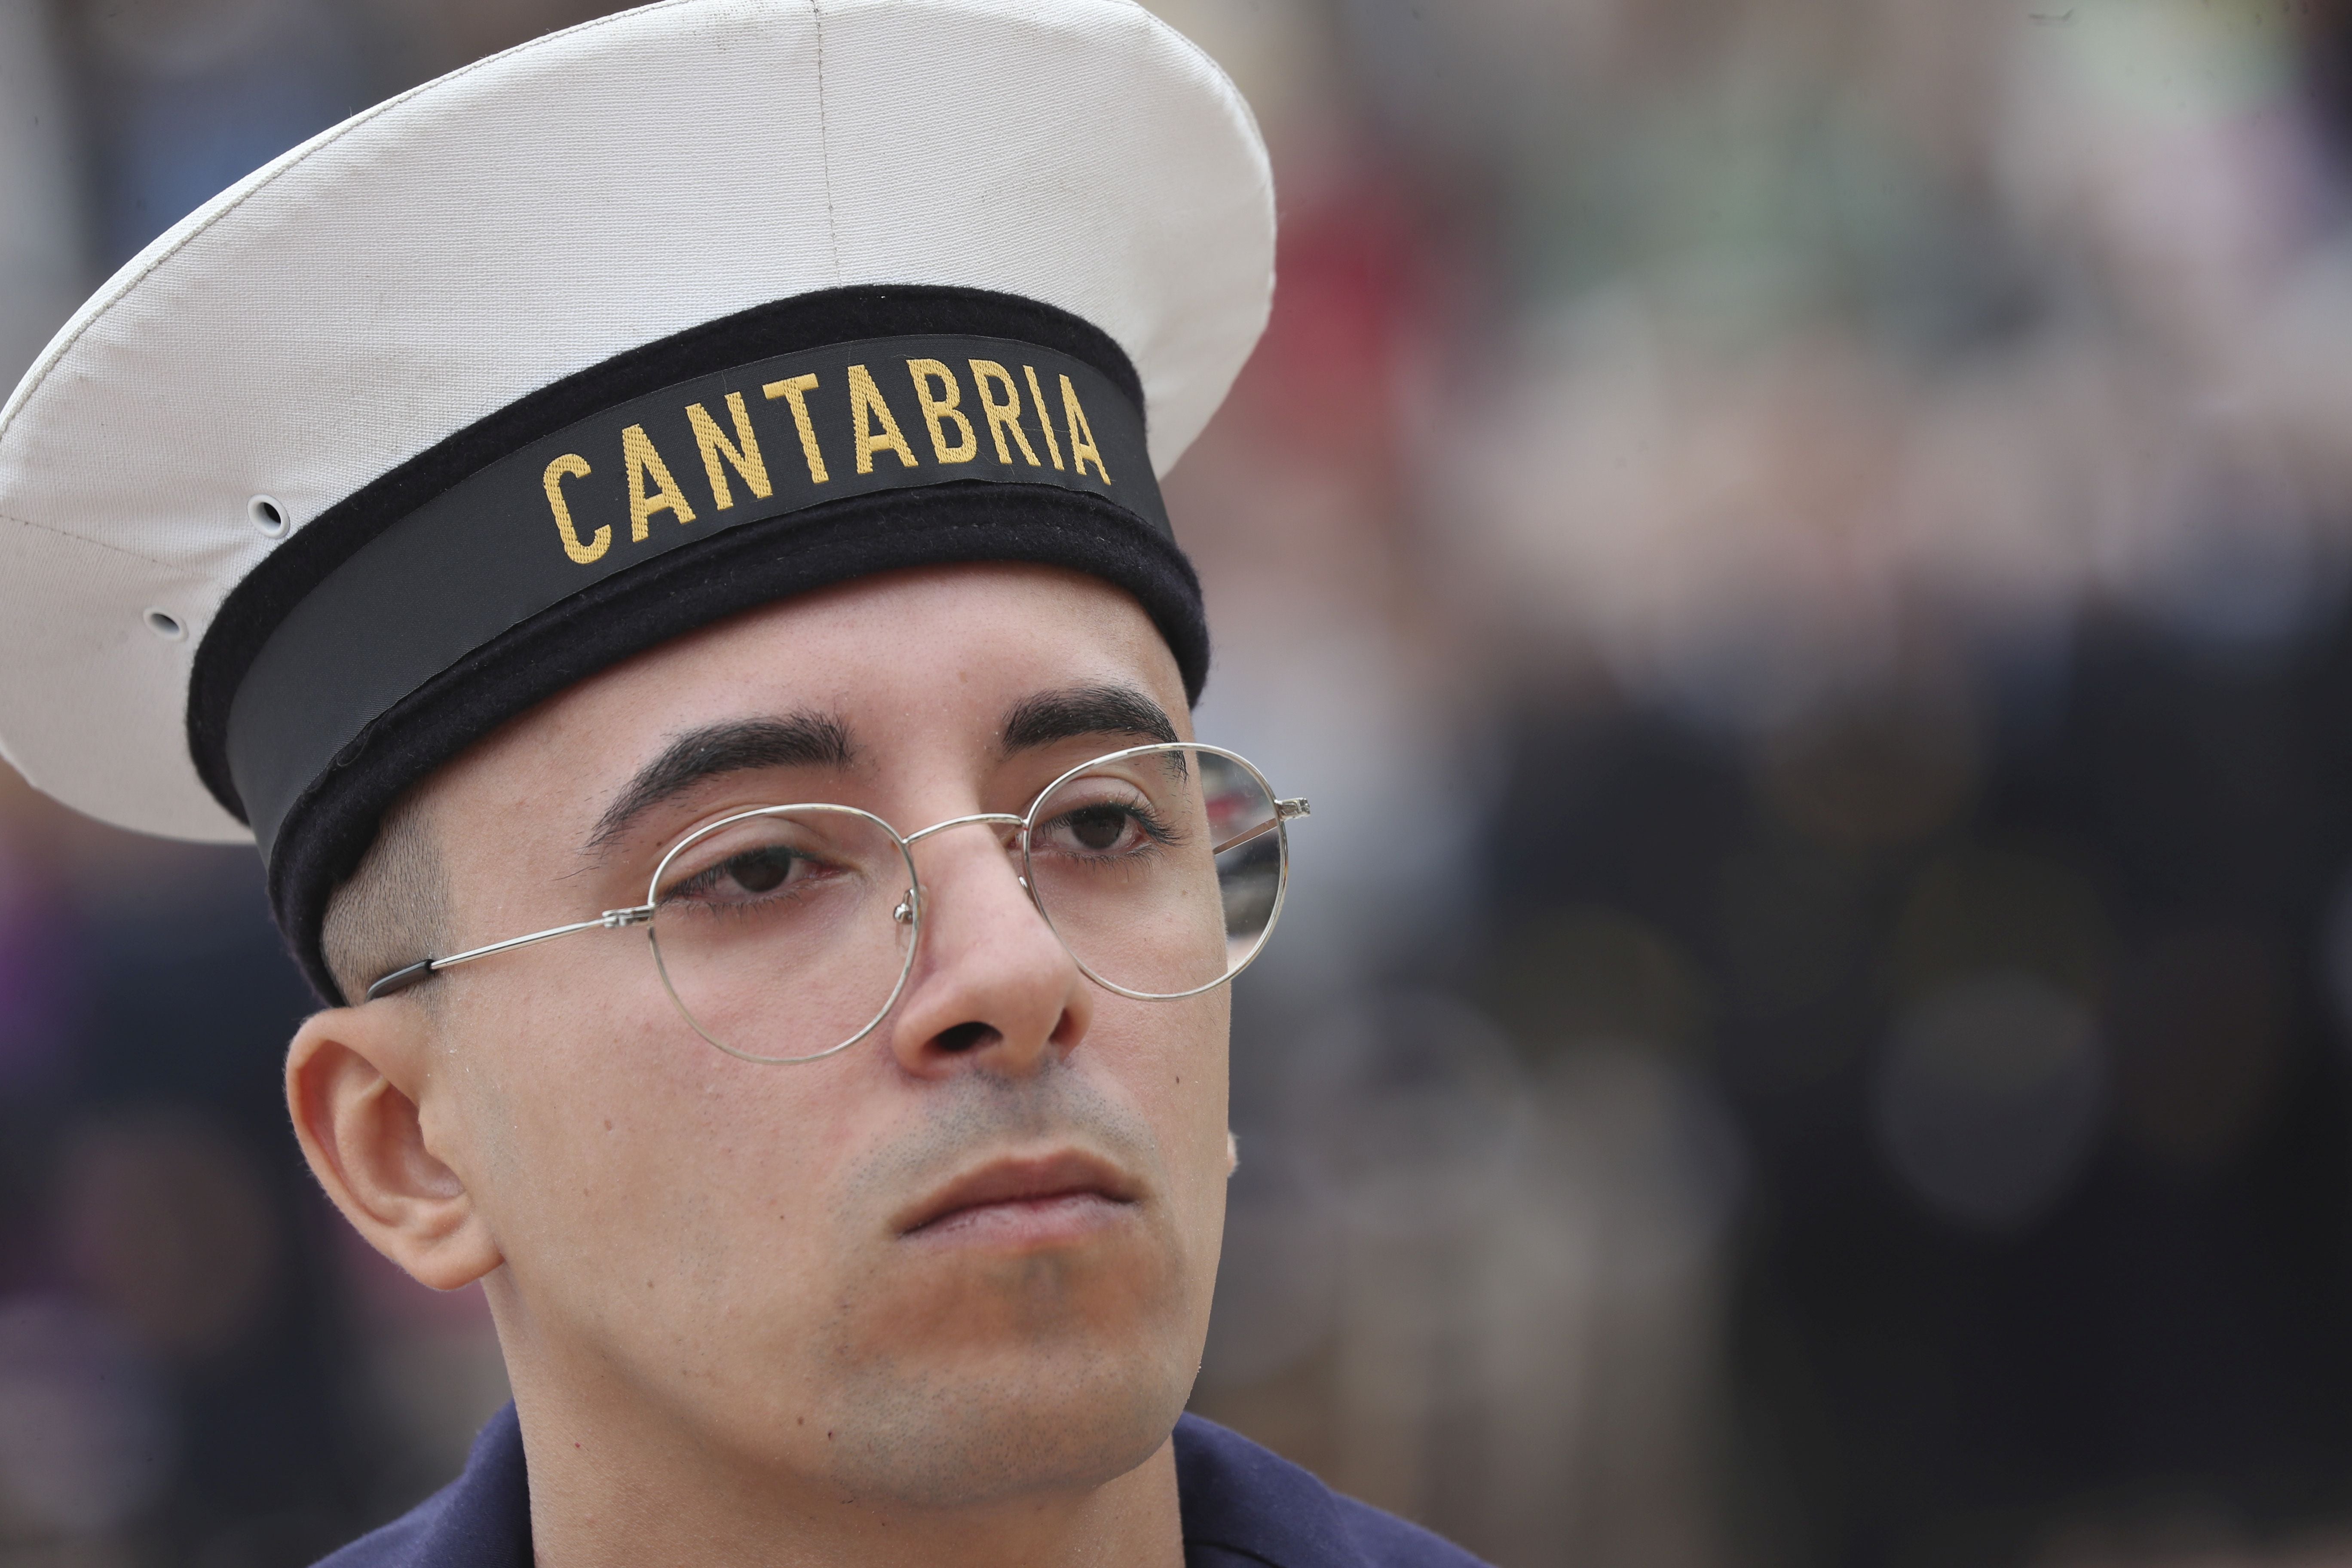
353	1081
1232	1153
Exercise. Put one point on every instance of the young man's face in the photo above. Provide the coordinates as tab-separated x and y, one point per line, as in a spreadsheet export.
783	1260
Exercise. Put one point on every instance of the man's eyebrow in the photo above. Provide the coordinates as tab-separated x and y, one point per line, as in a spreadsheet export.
737	745
1066	714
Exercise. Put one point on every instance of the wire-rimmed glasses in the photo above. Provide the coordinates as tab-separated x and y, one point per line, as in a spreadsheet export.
1160	868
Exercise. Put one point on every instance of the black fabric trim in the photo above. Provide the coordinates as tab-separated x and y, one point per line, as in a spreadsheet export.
260	604
331	825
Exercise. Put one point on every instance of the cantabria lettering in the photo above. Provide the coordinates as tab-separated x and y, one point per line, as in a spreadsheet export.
935	416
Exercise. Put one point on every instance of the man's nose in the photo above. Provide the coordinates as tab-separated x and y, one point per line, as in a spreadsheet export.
993	988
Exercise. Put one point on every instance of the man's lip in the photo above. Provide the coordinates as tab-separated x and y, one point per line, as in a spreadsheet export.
1035	1179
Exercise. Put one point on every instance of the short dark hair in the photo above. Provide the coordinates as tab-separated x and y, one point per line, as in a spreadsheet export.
394	910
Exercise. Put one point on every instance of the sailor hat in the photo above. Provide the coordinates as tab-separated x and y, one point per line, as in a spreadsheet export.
596	342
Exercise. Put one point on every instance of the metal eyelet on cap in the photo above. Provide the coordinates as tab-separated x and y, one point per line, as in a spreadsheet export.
166	624
268	515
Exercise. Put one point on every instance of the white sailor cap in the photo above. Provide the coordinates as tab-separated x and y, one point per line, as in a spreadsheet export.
593	342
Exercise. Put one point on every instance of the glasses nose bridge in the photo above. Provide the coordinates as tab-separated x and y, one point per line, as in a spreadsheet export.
991	818
921	899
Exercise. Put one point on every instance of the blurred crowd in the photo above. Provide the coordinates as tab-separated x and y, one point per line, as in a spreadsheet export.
1799	549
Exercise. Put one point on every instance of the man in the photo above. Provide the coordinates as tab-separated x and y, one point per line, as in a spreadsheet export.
656	536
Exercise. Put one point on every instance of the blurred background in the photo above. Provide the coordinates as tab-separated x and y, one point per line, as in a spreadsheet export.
1800	548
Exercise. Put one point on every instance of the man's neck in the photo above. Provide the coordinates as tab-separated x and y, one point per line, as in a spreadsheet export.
617	1486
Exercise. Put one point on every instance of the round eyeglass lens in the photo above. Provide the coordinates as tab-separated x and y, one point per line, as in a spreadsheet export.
1162	869
786	934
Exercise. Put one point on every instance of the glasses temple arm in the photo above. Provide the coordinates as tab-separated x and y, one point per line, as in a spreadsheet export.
1285	810
416	973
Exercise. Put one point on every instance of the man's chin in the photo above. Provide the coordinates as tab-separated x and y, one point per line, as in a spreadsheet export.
988	1429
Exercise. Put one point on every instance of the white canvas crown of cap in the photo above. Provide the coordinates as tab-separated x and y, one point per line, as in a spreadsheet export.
431	261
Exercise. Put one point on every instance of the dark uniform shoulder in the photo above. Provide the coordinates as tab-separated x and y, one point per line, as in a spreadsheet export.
395	1545
481	1520
1244	1505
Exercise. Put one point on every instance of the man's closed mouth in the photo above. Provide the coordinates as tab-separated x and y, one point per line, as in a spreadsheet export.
1024	1201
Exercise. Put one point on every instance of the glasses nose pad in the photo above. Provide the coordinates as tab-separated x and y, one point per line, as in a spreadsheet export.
905	914
1017	846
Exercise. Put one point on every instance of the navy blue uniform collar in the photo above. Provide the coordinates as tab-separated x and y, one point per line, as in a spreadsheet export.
1242	1507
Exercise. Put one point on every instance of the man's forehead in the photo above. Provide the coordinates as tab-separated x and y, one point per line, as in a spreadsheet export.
937	644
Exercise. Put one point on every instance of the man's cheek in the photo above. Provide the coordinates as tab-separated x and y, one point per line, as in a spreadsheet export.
1181	1081
683	1268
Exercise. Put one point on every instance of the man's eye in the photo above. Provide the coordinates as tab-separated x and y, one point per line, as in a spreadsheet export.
1097	828
762	871
753	874
1105	829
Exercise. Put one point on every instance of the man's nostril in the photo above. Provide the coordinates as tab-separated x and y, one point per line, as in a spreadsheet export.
963	1038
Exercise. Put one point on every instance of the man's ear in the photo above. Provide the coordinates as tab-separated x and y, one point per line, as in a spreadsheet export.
353	1079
